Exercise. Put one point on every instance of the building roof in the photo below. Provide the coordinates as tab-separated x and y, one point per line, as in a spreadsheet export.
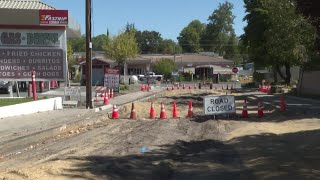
24	4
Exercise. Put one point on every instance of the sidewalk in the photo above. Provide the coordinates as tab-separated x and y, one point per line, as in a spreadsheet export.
16	131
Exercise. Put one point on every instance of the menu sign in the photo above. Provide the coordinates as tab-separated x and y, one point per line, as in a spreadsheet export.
19	63
22	51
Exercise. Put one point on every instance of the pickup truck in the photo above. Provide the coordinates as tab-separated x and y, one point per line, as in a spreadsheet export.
150	75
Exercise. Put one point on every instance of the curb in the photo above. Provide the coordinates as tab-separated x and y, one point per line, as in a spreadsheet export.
16	146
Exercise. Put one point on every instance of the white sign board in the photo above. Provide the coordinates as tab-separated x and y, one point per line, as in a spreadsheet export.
214	105
111	78
189	70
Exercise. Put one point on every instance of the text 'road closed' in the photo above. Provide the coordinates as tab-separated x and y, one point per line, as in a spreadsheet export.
219	105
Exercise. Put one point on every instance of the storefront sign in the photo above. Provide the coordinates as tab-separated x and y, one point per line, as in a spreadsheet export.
18	63
219	105
22	51
111	78
53	17
31	38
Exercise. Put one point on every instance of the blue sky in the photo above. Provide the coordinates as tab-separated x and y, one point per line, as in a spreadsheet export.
168	17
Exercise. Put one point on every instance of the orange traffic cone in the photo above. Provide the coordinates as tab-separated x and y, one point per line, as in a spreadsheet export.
178	87
282	104
167	88
109	93
106	99
245	110
184	86
163	112
152	113
142	87
172	87
190	110
115	114
133	114
174	111
260	110
102	95
189	87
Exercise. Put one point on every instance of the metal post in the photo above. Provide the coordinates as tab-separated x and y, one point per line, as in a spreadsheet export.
34	88
89	103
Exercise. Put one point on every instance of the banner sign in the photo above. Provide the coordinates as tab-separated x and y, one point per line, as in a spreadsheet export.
53	17
214	105
22	51
111	78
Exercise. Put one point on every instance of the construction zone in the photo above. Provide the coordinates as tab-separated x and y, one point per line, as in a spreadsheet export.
179	132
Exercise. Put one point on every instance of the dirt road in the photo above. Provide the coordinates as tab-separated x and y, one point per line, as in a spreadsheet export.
198	148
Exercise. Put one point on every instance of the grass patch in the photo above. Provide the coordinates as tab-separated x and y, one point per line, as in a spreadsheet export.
13	101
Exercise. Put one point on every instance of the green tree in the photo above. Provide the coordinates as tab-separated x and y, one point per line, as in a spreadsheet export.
232	50
277	35
122	47
219	29
168	46
189	38
99	42
148	41
71	60
79	44
165	67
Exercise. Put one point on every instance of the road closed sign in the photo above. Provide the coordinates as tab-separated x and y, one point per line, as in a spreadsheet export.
214	105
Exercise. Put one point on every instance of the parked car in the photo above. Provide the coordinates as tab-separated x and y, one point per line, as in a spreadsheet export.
4	86
150	75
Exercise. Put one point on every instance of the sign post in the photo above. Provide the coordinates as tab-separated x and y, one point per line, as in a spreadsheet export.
214	105
34	87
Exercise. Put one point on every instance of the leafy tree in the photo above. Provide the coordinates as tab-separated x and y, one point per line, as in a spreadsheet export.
189	38
122	47
148	41
165	67
168	46
79	44
232	50
219	29
277	35
71	60
130	27
99	42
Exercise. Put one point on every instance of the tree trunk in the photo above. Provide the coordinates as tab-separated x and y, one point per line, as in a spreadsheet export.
280	73
275	74
288	73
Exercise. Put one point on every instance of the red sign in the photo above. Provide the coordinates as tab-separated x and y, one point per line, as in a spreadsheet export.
53	17
235	70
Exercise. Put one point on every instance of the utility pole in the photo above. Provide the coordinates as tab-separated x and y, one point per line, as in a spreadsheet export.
88	56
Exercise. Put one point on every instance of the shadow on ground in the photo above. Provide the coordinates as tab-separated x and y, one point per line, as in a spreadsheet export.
266	156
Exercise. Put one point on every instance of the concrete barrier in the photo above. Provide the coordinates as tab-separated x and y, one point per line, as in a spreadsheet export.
31	107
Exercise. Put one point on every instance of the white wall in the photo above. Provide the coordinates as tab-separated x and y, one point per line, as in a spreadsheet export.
31	107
